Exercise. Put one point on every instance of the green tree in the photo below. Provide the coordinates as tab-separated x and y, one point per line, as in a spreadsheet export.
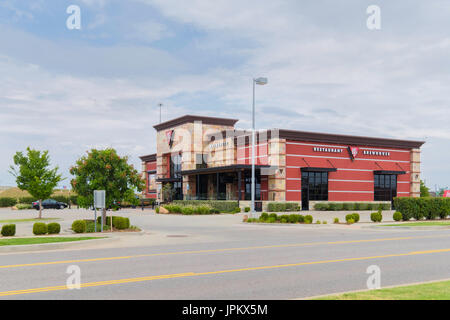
33	174
105	170
424	190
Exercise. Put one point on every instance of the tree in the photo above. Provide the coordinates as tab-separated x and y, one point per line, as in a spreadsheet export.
105	170
33	174
424	190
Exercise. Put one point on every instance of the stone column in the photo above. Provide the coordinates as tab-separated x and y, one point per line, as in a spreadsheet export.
415	173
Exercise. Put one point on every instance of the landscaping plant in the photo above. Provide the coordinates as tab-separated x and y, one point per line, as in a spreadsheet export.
8	230
40	228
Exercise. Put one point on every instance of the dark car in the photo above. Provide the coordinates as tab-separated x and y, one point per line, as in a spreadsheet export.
50	204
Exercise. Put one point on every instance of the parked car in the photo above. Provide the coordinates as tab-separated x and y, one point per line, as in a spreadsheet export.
50	204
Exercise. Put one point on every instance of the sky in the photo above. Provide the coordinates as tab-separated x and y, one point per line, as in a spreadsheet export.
70	90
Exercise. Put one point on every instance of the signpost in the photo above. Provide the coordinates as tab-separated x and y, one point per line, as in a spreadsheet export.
99	203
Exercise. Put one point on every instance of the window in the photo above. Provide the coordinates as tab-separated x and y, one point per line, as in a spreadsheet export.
385	187
201	160
175	173
248	185
151	182
316	184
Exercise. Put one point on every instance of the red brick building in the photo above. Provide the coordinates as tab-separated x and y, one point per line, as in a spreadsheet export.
206	158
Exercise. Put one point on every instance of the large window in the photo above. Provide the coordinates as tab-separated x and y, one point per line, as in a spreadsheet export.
316	184
175	173
151	182
248	185
385	187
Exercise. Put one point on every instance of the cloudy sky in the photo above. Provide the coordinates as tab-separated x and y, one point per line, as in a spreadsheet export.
69	90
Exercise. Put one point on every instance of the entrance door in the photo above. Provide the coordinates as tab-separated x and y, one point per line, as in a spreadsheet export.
305	191
385	188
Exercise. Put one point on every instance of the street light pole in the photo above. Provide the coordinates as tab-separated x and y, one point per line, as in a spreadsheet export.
160	106
259	81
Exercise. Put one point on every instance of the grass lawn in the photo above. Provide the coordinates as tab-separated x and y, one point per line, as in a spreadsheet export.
29	220
38	240
17	193
428	291
418	224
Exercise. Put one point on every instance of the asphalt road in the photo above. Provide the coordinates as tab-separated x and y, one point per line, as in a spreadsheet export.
218	257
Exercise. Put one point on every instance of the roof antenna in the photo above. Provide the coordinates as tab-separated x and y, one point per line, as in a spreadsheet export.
160	106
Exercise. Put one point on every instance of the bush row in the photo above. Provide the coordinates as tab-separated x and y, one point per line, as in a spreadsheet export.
420	208
217	206
283	206
285	218
40	228
350	206
10	202
119	223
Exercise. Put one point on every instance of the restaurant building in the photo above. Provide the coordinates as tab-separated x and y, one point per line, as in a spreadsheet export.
199	158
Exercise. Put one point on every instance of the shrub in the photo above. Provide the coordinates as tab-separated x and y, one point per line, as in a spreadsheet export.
374	206
321	206
283	206
79	226
40	228
318	222
363	206
332	206
8	230
398	216
203	209
348	206
301	218
157	209
284	217
247	209
236	210
324	222
283	220
272	219
419	208
386	206
293	218
336	220
350	221
339	207
273	216
308	219
220	206
7	202
264	216
54	228
349	217
26	200
188	210
121	223
23	206
356	217
376	216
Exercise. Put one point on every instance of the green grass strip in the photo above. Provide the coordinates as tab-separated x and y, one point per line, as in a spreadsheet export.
427	291
39	240
418	224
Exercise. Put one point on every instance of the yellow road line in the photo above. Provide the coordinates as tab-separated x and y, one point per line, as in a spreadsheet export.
192	274
214	251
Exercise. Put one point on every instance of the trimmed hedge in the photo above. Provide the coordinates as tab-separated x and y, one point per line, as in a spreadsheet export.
26	200
40	228
350	206
8	230
7	202
23	206
54	228
423	208
79	226
218	206
283	206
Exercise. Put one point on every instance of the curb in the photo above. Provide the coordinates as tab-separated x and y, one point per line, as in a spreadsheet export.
52	246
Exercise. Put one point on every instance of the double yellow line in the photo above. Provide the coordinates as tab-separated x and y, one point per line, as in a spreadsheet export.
213	251
192	274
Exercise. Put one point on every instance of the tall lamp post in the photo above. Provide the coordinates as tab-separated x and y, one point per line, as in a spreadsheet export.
261	82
